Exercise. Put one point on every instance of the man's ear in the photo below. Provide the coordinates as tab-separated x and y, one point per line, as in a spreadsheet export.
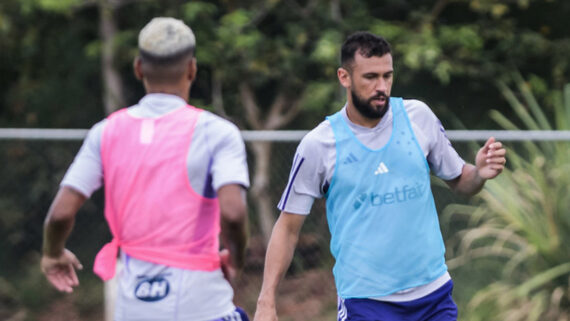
192	69
343	77
137	68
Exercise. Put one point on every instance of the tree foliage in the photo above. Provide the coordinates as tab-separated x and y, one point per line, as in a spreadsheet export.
271	64
281	50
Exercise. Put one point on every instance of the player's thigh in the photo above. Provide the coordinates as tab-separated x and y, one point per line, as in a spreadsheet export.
436	306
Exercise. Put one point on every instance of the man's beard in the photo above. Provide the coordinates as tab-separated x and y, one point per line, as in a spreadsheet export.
365	107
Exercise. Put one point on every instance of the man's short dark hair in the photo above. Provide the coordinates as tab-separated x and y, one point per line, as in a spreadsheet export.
165	69
366	44
166	60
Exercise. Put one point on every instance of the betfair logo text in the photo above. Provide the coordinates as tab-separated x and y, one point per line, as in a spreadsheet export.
401	194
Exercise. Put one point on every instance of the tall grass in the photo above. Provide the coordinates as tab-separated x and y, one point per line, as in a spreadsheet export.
522	217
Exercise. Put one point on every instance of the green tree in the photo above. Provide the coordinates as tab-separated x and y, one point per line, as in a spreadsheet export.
265	64
271	64
267	73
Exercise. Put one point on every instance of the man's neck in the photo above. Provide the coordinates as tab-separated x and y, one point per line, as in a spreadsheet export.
181	91
169	92
357	118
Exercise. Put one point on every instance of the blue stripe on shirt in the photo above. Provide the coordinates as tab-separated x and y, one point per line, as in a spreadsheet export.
284	203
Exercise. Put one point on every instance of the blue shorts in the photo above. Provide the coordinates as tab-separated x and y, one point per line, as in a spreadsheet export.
237	315
436	306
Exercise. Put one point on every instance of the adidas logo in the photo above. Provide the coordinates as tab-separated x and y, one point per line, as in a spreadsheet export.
382	169
350	159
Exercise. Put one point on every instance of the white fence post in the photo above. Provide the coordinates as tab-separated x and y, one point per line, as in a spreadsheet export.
110	294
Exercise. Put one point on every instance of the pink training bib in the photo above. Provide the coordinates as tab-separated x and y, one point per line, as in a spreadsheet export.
150	207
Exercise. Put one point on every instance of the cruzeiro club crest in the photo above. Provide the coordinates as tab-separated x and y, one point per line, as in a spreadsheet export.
152	289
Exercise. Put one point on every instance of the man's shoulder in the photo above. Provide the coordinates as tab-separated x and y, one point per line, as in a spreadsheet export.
321	136
418	109
216	123
95	133
415	104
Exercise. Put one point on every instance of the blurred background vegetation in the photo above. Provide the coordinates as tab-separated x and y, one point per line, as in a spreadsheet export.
270	65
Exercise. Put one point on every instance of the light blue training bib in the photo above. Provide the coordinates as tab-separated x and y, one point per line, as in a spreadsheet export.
381	213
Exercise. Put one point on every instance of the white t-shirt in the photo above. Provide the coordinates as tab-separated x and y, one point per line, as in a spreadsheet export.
217	152
314	163
216	157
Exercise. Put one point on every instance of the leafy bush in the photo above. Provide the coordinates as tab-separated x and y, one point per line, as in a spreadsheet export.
522	218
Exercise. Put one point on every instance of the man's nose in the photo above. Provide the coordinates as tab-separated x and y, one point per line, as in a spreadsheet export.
381	86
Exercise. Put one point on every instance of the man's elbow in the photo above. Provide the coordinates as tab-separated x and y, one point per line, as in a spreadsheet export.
233	204
464	190
59	218
235	214
65	206
453	184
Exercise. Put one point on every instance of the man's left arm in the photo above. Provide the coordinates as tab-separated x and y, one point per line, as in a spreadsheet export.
230	178
489	162
57	263
234	225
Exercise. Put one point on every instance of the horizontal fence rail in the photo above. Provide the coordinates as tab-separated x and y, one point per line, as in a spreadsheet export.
297	135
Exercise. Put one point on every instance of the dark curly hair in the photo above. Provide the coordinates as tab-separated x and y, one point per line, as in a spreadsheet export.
366	44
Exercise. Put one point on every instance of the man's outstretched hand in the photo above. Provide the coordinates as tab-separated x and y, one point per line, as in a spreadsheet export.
60	270
490	160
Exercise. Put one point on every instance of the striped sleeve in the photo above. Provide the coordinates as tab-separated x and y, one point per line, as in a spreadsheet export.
308	174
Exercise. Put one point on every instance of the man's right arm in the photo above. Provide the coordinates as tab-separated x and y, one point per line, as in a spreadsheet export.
309	173
277	260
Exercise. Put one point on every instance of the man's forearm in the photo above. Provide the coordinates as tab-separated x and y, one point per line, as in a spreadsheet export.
55	235
60	220
277	260
469	182
233	210
234	238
